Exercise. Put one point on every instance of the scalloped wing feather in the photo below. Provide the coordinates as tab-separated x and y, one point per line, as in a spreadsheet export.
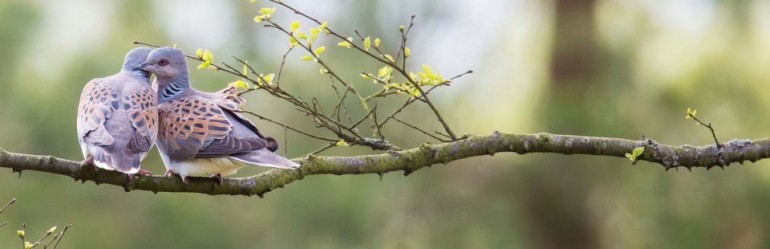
189	124
229	100
97	102
141	106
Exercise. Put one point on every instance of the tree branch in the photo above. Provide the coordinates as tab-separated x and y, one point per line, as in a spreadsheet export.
410	160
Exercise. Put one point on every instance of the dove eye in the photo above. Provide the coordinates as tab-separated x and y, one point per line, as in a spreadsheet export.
162	62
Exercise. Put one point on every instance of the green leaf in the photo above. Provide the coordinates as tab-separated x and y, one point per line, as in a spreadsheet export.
415	92
323	28
204	65
427	69
306	58
384	73
265	80
342	143
390	58
314	34
269	78
208	56
266	12
240	84
690	113
301	35
344	44
377	43
407	52
635	154
367	43
294	26
318	51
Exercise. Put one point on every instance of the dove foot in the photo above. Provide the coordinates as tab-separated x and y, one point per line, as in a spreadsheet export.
219	178
170	173
143	172
88	161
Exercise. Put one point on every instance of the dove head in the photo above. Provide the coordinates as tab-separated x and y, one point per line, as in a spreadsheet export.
170	69
135	57
166	63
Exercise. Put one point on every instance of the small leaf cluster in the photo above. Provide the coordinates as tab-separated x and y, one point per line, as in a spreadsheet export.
264	14
207	58
691	113
635	154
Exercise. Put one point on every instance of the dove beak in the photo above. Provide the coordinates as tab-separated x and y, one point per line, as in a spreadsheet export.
142	66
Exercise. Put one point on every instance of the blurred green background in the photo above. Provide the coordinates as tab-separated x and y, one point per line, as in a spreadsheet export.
622	68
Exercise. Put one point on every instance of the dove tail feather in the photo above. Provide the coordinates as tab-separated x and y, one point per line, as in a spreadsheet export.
265	158
272	145
126	162
101	159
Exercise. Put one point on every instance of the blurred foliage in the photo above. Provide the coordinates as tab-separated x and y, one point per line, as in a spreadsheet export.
642	63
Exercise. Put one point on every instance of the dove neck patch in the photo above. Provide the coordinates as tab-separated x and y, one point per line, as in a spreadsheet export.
144	75
172	89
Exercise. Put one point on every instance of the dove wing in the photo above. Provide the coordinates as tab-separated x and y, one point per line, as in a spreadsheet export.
141	106
97	102
195	126
229	100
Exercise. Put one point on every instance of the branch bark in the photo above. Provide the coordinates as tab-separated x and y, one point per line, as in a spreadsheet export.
669	156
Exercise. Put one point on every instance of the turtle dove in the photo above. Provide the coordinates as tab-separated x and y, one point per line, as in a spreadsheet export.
201	133
117	120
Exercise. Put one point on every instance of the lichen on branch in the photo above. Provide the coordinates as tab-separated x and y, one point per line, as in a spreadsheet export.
410	160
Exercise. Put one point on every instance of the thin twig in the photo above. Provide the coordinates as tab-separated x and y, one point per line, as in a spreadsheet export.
62	235
377	128
420	130
407	103
287	127
364	117
280	69
7	204
713	134
55	236
322	149
45	235
402	71
23	229
402	47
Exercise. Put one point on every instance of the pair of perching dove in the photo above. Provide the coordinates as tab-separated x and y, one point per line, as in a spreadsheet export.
197	133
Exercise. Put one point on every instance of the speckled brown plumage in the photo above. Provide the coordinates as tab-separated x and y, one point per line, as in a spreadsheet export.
117	121
202	133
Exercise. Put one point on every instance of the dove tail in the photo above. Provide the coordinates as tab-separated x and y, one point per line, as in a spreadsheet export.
125	162
265	158
101	159
272	145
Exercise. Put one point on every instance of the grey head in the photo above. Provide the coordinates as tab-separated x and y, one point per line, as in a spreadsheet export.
170	68
166	63
134	57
